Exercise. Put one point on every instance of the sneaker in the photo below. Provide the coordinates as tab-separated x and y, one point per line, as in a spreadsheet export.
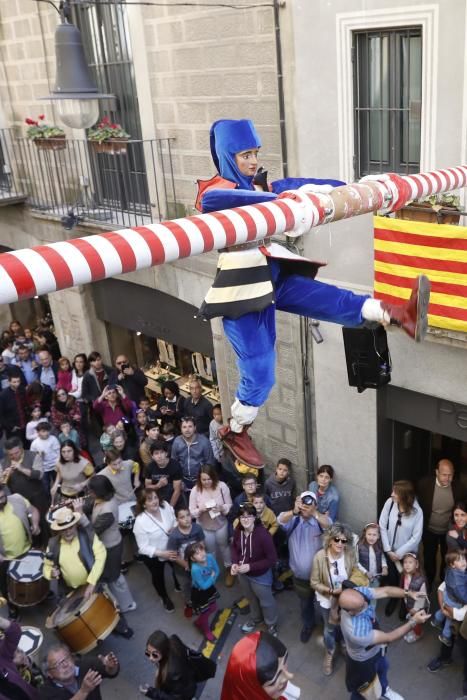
130	608
124	568
391	695
445	640
248	626
437	663
277	585
177	586
411	637
272	629
188	611
436	625
305	634
168	605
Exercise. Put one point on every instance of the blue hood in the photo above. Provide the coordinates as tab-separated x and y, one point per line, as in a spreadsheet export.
228	137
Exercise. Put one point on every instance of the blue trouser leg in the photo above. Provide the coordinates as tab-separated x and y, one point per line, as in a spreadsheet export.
253	336
308	297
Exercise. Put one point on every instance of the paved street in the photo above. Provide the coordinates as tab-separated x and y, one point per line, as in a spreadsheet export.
408	674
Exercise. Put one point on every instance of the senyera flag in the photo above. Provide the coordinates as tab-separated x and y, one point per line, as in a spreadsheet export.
405	249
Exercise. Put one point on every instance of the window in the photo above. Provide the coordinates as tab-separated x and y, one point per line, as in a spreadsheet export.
387	70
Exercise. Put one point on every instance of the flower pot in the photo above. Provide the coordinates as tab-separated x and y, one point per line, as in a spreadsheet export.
114	147
55	143
426	213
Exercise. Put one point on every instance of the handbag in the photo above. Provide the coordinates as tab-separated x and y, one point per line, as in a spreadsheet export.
358	578
203	668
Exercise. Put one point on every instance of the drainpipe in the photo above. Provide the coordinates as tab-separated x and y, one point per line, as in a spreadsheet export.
306	351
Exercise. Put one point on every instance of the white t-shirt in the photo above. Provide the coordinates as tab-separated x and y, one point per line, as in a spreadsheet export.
49	449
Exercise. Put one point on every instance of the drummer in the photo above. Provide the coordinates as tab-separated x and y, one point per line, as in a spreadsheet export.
12	685
75	555
68	678
19	521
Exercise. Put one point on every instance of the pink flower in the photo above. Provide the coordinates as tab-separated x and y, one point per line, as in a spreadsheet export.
105	121
114	126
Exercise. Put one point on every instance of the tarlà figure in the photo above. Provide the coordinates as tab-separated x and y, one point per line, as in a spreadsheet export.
254	279
257	670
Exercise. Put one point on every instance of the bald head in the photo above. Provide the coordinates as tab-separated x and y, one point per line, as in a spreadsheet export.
352	601
445	472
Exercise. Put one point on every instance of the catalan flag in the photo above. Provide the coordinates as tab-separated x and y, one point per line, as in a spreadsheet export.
405	249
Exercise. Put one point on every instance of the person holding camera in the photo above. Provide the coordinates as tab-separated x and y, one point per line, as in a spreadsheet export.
131	379
303	527
113	406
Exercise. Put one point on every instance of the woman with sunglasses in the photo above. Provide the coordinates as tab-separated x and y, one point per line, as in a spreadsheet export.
257	670
401	527
331	566
175	677
253	560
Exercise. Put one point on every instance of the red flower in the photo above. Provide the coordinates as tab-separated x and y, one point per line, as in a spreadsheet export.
31	122
41	117
114	126
105	121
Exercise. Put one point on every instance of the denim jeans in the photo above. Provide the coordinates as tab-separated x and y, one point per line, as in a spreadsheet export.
329	631
382	667
306	596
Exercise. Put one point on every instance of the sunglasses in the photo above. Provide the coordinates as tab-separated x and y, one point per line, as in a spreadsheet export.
152	654
340	539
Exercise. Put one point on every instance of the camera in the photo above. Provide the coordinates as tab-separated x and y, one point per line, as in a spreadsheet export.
308	500
124	365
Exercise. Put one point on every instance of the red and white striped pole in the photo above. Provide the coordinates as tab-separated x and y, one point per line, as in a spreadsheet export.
49	268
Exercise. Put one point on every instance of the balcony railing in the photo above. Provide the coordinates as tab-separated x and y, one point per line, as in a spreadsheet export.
10	190
132	186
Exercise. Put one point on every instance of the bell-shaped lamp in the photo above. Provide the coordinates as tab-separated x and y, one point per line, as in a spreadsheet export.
75	90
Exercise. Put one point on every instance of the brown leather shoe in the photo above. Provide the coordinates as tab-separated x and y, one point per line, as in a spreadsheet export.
412	316
241	446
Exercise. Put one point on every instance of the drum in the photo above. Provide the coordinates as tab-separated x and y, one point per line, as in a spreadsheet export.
26	585
126	515
81	623
31	641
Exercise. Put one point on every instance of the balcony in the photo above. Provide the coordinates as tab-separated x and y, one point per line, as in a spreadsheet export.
69	179
10	190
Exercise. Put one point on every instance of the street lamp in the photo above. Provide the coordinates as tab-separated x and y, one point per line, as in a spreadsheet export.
75	91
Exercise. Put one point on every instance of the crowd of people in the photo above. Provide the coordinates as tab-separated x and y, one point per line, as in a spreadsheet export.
95	477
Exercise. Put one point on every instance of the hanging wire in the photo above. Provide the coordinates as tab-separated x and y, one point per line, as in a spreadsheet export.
151	3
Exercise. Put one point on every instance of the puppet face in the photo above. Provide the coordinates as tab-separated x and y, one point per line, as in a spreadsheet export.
276	686
247	162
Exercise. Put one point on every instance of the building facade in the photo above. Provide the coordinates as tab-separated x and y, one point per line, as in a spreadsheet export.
312	76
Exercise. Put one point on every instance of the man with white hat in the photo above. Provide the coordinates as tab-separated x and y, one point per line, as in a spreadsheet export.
303	526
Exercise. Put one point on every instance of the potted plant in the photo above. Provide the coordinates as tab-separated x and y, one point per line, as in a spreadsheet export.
437	208
107	137
45	137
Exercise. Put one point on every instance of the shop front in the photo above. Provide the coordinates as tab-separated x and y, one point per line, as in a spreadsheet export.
159	333
414	432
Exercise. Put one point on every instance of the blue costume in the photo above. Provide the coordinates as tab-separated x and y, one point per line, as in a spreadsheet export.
256	279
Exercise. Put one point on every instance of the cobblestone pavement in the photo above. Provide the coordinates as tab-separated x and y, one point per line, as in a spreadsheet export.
408	674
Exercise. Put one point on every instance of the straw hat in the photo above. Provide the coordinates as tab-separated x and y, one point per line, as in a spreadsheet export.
64	518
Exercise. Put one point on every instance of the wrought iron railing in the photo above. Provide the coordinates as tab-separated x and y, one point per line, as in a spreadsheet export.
129	185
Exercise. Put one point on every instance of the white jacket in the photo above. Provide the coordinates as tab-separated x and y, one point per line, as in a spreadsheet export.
152	534
403	538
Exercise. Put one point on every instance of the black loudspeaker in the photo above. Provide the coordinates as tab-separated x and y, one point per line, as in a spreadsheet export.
367	356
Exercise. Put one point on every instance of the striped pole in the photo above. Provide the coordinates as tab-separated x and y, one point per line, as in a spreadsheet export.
49	268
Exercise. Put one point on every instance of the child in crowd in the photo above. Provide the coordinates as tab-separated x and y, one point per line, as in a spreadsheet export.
265	514
152	434
67	432
140	425
31	426
280	488
151	414
413	579
204	574
326	493
249	486
370	555
64	374
48	447
169	432
106	439
186	533
214	439
455	594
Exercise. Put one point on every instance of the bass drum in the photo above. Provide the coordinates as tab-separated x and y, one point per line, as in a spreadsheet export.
26	585
81	623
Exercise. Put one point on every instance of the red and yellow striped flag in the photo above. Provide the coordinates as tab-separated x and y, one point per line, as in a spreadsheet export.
405	249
